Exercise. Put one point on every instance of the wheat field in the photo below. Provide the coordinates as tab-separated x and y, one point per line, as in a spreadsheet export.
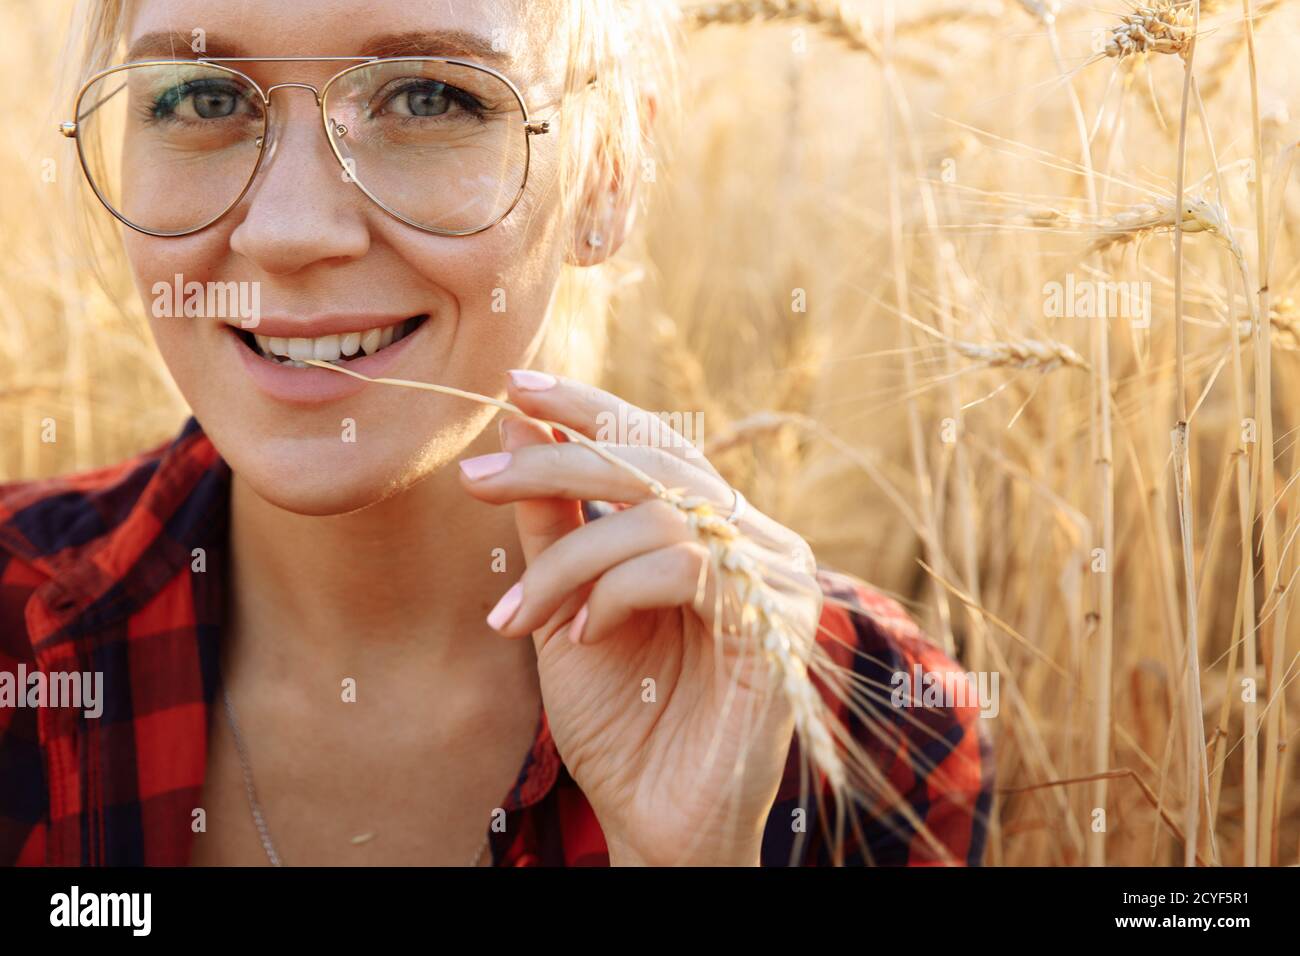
891	265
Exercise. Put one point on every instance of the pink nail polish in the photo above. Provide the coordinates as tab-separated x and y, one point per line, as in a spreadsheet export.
485	465
530	381
506	607
579	621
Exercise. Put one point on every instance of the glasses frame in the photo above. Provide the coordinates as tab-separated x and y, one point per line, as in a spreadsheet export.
71	129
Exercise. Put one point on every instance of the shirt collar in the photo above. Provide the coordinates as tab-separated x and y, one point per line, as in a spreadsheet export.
148	539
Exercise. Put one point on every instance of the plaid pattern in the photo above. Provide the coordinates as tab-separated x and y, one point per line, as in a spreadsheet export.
98	573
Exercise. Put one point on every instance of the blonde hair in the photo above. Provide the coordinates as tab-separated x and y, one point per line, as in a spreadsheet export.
619	91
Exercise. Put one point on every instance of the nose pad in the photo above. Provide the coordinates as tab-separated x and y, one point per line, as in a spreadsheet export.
338	139
267	143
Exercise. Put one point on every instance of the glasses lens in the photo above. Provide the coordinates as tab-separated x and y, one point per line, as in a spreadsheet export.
440	144
170	147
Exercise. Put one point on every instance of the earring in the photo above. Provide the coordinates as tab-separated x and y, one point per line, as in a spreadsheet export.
594	240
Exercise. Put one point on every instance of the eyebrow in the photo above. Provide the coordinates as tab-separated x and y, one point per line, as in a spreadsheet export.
458	43
454	43
174	44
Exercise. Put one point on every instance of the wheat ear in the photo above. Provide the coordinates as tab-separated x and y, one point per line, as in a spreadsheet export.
1285	320
1158	216
1022	353
1165	26
835	17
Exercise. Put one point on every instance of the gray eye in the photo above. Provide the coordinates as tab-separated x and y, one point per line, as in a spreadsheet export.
429	101
214	104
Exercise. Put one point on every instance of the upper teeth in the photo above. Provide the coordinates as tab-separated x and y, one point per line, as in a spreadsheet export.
330	348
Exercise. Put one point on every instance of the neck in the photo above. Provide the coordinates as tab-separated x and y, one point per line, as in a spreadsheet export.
409	579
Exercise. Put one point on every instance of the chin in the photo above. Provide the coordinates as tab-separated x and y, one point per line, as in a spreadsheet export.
325	476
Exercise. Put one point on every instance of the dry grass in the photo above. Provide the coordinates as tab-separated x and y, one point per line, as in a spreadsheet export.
902	421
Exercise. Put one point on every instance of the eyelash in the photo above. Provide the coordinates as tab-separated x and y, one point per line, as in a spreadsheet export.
157	112
466	101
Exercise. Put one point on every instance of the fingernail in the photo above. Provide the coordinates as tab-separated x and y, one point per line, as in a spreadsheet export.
575	629
510	432
506	607
530	381
485	465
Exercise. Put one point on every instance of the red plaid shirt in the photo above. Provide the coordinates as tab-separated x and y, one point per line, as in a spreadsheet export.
96	576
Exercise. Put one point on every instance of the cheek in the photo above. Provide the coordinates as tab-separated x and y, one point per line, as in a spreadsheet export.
157	265
195	258
502	281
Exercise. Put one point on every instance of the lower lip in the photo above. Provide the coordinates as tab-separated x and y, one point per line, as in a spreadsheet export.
311	386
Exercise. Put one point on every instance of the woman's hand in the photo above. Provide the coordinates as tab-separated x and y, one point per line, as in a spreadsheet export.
677	740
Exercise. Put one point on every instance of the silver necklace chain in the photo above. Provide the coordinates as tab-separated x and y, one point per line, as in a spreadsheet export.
259	819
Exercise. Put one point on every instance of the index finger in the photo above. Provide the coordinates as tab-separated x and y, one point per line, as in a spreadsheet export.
602	416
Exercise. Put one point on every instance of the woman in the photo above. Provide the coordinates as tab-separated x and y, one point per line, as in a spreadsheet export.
299	607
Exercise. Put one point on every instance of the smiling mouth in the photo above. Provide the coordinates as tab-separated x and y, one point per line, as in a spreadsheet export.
339	348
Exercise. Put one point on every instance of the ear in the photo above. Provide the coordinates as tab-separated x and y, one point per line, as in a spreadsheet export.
606	212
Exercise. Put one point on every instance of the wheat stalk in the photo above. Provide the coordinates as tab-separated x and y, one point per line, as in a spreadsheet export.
762	626
1194	715
1274	624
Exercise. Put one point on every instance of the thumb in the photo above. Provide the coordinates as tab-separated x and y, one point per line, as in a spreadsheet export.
540	521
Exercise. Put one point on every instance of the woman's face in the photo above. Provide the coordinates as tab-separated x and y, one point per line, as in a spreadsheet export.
319	258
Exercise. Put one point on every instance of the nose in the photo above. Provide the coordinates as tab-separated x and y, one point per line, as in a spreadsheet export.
302	208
